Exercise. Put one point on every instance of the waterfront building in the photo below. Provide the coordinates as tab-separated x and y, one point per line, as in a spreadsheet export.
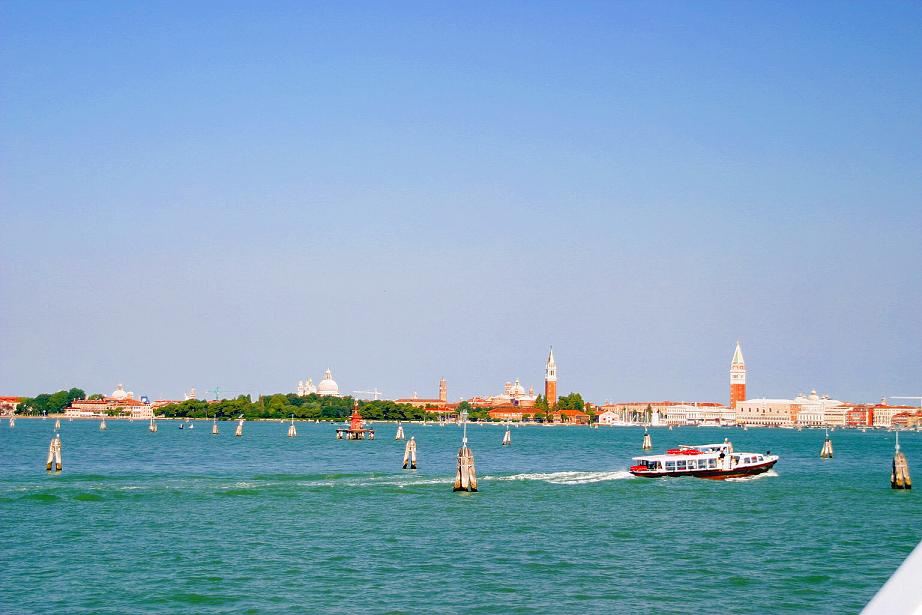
649	412
8	405
766	412
700	414
815	411
883	413
550	380
119	401
737	377
424	403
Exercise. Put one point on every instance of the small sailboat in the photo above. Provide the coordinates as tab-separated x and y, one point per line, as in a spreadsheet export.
292	432
507	437
182	425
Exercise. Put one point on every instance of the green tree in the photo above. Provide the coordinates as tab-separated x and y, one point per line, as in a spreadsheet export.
573	401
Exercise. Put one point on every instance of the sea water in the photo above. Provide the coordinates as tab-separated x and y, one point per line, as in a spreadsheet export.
181	521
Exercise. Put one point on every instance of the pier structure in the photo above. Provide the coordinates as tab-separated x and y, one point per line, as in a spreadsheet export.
356	429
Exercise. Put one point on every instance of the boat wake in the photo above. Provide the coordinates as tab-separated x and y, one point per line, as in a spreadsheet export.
567	478
741	479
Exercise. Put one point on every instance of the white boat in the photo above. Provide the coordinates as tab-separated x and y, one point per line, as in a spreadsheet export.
714	461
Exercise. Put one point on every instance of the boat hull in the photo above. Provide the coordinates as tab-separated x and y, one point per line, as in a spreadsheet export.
715	474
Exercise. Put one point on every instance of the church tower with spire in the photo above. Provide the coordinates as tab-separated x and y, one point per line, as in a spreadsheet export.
737	377
550	380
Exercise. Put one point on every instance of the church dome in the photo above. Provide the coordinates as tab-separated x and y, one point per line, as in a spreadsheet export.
327	386
517	388
119	393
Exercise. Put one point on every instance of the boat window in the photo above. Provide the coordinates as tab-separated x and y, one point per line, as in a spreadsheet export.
680	465
692	464
712	463
761	458
670	465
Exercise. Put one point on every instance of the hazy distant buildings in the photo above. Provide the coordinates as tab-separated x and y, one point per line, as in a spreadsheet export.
327	387
119	401
423	403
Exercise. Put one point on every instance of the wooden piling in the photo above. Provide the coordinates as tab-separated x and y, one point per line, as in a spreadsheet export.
899	476
102	425
54	455
409	454
239	431
57	423
466	476
292	432
214	426
507	437
399	435
153	425
826	453
647	441
12	422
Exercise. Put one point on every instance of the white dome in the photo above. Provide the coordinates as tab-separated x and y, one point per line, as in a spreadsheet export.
517	389
327	386
119	393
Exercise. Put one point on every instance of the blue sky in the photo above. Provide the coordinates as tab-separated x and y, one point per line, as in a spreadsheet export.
243	194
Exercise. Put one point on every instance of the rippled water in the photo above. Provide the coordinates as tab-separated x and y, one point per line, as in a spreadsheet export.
183	521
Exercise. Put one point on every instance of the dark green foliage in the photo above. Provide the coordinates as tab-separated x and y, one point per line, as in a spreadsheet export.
573	401
49	403
282	406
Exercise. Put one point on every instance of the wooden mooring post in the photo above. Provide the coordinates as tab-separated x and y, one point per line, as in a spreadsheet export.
399	435
466	476
409	454
54	455
647	440
899	476
826	453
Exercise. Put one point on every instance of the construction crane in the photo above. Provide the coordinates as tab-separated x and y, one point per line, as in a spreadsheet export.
376	393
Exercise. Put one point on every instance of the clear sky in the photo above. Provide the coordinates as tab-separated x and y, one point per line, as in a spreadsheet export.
244	194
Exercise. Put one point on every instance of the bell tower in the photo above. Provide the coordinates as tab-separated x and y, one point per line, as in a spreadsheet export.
443	390
737	377
550	380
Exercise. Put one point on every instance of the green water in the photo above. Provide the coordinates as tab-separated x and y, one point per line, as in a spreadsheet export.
185	522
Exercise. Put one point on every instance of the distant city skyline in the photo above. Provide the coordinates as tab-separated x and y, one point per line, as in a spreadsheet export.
201	196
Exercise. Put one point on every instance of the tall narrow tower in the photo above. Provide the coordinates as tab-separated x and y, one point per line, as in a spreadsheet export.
737	377
443	390
550	380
